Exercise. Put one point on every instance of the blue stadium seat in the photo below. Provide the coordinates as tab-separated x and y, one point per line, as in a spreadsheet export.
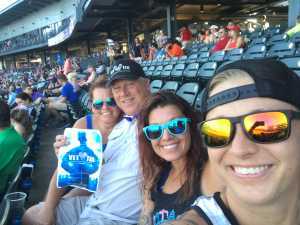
166	72
234	54
255	34
258	41
277	39
192	58
145	68
177	71
150	71
156	85
156	73
182	59
255	52
171	86
282	49
154	62
293	63
203	57
217	56
190	71
173	60
205	48
167	61
189	91
207	70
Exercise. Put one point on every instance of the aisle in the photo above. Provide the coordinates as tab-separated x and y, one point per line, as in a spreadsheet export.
46	164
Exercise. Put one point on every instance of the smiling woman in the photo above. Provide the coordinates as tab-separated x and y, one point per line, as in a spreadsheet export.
172	158
252	131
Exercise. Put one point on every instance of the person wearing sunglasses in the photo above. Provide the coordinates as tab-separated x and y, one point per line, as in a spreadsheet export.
173	159
252	130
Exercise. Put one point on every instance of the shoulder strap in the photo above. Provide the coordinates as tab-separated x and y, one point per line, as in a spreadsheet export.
89	121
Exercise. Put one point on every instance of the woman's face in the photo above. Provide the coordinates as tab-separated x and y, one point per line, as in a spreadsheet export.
106	113
256	173
169	147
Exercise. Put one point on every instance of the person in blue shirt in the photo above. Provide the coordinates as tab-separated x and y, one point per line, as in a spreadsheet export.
57	104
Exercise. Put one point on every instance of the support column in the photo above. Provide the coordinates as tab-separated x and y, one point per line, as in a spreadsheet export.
88	45
130	32
171	19
294	11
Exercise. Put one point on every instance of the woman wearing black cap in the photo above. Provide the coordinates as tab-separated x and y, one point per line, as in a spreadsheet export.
252	131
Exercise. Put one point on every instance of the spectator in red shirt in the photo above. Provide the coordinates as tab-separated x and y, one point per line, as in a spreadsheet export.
222	41
185	35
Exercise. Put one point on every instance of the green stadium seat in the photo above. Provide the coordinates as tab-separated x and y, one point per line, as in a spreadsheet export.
171	86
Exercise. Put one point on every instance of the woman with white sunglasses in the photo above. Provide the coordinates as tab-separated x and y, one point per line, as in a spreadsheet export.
252	130
173	159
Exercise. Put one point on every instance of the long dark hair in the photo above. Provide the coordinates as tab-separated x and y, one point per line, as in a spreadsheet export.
152	165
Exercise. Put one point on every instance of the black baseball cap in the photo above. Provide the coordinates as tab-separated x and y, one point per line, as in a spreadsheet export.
125	69
272	79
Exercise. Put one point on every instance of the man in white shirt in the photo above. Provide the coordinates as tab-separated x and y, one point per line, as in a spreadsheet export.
118	200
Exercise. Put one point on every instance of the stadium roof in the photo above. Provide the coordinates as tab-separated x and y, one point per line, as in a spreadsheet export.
12	9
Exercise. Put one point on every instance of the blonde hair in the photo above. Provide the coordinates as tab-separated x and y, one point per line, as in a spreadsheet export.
72	77
227	75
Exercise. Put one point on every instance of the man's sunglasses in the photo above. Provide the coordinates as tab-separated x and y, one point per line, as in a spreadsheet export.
260	127
98	104
174	127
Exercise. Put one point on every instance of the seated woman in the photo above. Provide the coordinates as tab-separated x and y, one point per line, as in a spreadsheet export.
21	121
252	131
235	38
173	159
105	116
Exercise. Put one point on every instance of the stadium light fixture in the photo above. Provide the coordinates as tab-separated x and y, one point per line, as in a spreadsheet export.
201	8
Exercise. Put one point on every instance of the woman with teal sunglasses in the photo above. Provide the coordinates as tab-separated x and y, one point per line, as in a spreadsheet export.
173	161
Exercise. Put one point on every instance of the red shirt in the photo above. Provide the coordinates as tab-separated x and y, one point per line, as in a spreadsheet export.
221	44
186	35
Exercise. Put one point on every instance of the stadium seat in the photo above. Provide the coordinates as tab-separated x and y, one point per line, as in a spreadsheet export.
154	62
166	72
282	49
171	86
190	71
205	48
156	85
182	59
192	58
173	60
234	54
145	68
150	71
277	39
217	56
203	57
189	91
167	61
293	63
156	73
255	52
148	62
198	102
207	70
258	41
177	71
255	34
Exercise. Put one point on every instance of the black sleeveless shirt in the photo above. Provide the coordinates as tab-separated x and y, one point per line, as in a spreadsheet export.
166	207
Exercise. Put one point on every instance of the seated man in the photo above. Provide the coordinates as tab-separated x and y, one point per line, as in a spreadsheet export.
57	104
24	102
11	148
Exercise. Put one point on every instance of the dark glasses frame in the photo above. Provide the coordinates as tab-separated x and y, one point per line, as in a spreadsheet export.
165	126
98	104
290	114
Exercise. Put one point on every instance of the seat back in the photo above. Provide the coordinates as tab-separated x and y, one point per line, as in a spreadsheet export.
203	57
282	49
191	70
182	59
217	56
258	41
166	72
150	70
192	58
189	91
178	70
255	52
234	54
156	73
155	86
277	39
171	86
207	70
198	101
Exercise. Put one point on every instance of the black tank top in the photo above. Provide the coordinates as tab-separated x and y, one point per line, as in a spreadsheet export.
166	206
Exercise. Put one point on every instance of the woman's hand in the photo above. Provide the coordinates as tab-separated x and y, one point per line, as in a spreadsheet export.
60	141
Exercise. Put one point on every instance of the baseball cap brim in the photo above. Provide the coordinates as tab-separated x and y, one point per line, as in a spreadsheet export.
123	76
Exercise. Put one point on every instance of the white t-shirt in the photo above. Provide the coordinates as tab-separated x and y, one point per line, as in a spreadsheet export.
119	194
